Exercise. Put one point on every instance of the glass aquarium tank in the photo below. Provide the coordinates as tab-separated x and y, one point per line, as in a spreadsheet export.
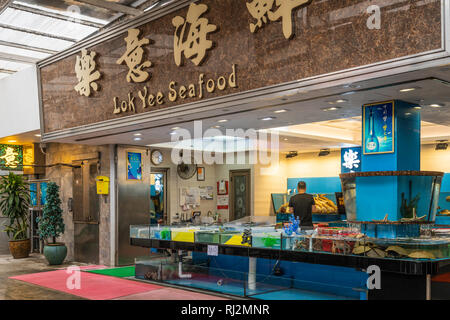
392	196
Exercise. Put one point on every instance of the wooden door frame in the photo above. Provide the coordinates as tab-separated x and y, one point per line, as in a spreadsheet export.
231	216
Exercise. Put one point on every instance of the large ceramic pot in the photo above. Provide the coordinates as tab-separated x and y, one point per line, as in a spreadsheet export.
55	253
20	248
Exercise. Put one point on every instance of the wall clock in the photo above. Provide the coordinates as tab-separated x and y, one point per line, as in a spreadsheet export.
156	157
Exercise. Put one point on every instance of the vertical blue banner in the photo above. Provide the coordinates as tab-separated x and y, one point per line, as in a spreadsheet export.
134	171
378	128
43	196
351	159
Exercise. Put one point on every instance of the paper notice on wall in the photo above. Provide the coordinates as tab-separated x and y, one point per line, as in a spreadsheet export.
206	193
222	202
190	197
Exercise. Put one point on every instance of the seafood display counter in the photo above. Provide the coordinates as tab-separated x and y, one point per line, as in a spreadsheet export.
407	259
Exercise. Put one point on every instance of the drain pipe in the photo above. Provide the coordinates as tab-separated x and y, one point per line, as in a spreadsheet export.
180	268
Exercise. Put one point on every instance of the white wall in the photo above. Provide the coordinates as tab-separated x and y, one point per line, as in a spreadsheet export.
19	103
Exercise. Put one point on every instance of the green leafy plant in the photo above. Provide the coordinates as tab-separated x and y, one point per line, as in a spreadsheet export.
14	205
51	224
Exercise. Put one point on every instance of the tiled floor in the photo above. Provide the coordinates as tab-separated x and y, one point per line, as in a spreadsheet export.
11	289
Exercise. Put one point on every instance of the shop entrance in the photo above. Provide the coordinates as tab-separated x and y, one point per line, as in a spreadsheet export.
158	194
240	194
85	206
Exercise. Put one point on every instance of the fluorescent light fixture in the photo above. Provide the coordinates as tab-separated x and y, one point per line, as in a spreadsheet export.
407	89
331	109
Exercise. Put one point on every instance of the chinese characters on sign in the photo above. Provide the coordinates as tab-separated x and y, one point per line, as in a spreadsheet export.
11	157
194	42
86	74
261	10
133	57
351	159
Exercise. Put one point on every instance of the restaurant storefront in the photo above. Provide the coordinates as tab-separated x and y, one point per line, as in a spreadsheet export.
209	72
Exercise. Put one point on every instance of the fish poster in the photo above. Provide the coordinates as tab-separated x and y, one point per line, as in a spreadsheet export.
134	170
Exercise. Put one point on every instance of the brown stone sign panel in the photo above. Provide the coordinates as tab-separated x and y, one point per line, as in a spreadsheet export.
218	47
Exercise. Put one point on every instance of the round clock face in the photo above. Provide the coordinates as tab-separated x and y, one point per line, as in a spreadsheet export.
157	157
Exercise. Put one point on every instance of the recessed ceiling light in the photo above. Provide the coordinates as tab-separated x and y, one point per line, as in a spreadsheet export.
173	132
341	100
267	118
222	121
217	127
418	108
175	128
280	111
407	89
407	113
436	105
331	109
12	141
137	139
285	139
37	135
137	134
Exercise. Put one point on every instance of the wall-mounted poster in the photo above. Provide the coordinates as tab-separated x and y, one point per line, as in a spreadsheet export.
33	194
134	167
43	190
378	128
351	159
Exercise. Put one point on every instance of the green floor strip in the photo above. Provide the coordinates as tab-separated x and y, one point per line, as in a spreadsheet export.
122	272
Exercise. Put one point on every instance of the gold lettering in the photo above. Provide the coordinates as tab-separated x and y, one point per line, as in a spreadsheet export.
131	105
196	43
192	93
182	92
210	85
172	91
221	83
200	85
262	9
116	107
133	57
160	97
232	80
151	100
86	74
124	106
143	97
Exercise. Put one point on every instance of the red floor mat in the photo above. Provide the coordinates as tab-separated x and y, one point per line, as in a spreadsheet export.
92	286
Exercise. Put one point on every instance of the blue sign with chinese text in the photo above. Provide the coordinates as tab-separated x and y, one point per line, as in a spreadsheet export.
378	128
351	159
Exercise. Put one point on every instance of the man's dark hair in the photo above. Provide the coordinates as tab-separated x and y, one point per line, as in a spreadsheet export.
301	185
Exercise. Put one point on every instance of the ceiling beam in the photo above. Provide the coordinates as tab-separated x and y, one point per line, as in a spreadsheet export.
17	58
38	33
55	15
26	47
7	71
113	6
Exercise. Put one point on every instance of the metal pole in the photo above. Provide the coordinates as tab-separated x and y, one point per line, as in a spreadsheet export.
428	287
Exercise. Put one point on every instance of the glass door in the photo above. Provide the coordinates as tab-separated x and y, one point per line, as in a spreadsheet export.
240	194
158	195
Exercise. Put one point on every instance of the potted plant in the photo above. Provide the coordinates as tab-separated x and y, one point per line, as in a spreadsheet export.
14	205
51	226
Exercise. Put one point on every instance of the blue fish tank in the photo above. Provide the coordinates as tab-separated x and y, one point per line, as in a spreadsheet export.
391	204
